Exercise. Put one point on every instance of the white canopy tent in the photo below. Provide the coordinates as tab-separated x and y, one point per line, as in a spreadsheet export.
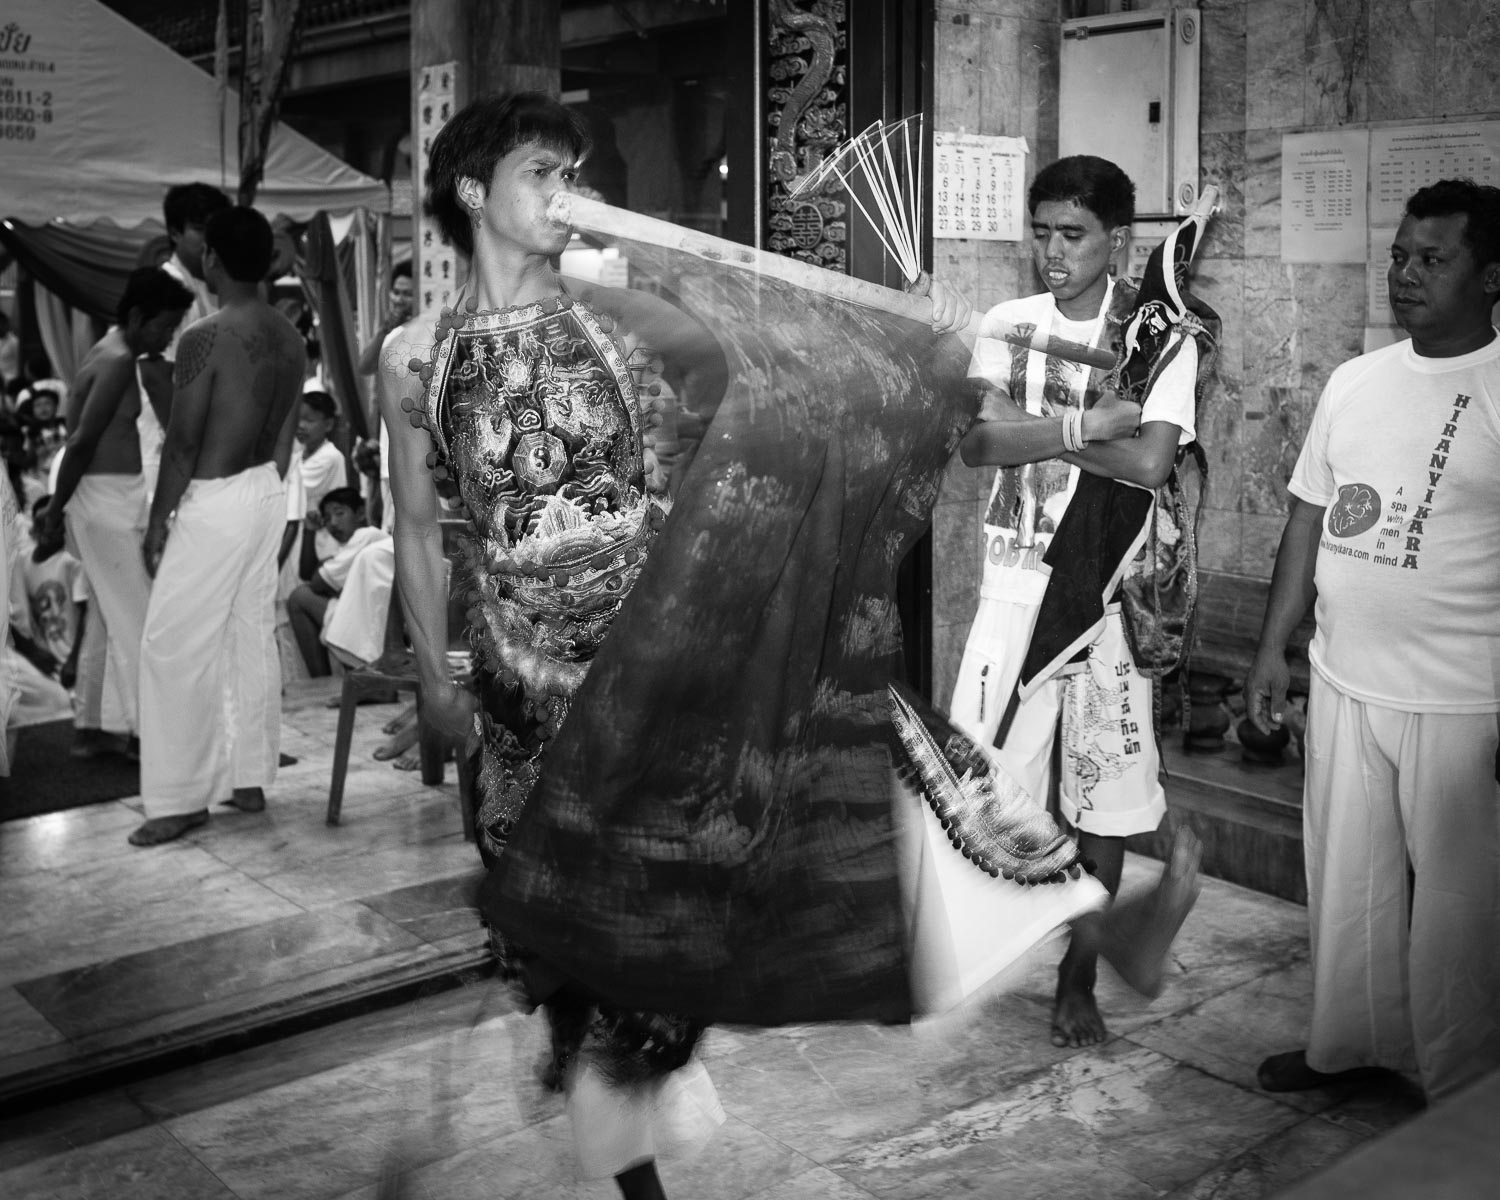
99	119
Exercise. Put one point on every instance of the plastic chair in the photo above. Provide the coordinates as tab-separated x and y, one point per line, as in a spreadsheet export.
396	670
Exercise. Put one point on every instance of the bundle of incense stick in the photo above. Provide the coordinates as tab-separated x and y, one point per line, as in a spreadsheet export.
595	217
885	163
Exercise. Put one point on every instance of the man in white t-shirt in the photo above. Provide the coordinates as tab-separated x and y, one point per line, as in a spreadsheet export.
1395	531
1043	419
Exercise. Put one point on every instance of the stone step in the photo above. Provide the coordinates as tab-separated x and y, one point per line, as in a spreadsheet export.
1249	817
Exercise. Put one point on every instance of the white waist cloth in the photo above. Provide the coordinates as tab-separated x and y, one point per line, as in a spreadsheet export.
210	676
968	930
106	520
354	623
616	1127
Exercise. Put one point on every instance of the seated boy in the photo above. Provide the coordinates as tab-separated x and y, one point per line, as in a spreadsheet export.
343	517
56	596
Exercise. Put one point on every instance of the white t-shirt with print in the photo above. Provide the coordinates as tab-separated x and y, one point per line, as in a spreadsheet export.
1404	451
1051	385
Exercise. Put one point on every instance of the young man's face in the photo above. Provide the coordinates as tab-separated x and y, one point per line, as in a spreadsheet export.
1439	291
313	427
188	243
515	207
153	335
341	520
1072	249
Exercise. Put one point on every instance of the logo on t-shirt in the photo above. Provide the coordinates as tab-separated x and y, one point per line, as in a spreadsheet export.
1356	510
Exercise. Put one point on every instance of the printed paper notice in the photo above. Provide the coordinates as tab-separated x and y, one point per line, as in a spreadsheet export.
978	187
1323	181
1409	157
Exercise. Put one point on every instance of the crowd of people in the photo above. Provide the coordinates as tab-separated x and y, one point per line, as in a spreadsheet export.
530	415
84	461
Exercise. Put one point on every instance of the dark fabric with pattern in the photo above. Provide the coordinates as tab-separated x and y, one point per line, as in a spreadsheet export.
711	834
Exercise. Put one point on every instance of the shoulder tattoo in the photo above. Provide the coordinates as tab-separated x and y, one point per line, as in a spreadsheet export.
193	352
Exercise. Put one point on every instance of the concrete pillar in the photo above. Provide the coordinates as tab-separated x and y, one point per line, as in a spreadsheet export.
461	49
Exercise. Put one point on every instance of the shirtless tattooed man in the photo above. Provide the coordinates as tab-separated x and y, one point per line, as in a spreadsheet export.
210	675
100	491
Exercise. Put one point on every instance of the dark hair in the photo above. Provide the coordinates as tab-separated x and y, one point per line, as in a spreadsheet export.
1094	183
321	402
153	291
40	504
349	497
191	204
1477	203
402	270
241	239
478	136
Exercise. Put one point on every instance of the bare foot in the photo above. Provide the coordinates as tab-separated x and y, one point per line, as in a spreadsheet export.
409	761
401	741
250	800
165	829
1138	930
407	716
1076	1020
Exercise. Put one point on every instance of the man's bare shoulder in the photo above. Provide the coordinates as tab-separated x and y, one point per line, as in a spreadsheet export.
108	361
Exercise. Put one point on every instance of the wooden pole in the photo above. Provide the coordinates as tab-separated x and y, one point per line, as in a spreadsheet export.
604	219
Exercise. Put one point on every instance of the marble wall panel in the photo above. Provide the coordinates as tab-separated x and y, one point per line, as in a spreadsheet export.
955	565
1034	9
1002	111
1220	283
1221	162
1331	309
1403	71
1465	53
1040	46
1338	61
1274	430
1260	536
1275	65
1221	100
956	45
1219	433
1262	186
1272	329
1218	540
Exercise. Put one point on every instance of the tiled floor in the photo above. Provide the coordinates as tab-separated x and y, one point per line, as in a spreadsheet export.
253	910
109	952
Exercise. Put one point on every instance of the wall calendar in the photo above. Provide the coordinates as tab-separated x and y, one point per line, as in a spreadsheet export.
978	186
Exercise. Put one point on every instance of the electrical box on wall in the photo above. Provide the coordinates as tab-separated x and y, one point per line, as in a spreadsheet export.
1129	93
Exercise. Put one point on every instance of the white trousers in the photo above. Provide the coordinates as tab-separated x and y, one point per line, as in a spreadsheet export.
354	625
1111	776
96	691
210	676
1403	978
106	520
